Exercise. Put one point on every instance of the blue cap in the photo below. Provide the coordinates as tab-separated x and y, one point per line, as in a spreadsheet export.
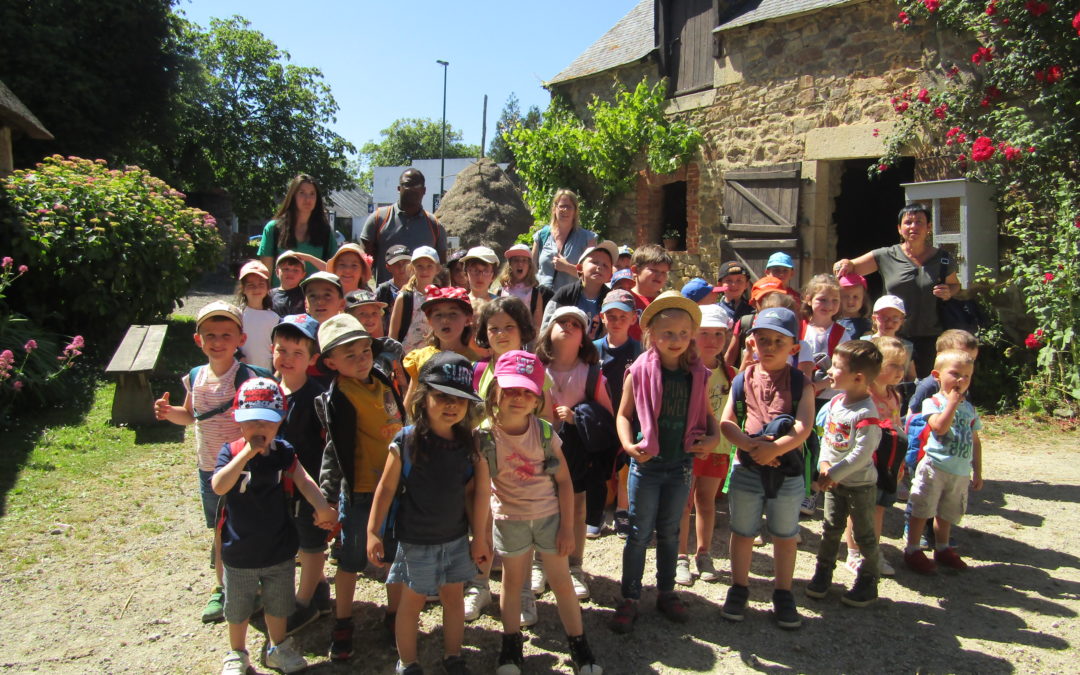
617	298
696	289
620	275
780	259
780	319
304	324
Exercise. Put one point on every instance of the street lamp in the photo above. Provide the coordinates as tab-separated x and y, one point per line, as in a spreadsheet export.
442	150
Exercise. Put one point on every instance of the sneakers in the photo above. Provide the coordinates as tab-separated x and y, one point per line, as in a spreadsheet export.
528	608
818	587
284	657
784	611
918	562
454	665
301	617
510	656
669	604
236	663
577	577
215	607
341	647
582	657
862	593
622	524
809	505
884	568
321	600
682	572
734	608
413	668
705	569
947	557
593	531
477	597
537	578
625	616
854	562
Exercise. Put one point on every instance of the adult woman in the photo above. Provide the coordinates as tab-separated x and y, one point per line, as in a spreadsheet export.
300	225
918	273
557	247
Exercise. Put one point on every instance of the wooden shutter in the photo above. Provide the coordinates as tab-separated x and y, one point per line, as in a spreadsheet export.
761	214
690	44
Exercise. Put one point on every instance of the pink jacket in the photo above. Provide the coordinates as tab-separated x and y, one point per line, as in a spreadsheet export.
645	374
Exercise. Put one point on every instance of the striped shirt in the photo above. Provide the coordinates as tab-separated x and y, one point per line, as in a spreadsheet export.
210	391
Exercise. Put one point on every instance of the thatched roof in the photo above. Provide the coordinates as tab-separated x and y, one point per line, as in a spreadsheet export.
17	116
484	208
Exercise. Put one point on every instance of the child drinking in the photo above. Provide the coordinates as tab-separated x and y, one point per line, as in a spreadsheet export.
253	296
408	325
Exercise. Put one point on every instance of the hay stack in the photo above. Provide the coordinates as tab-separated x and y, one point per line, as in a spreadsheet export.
484	208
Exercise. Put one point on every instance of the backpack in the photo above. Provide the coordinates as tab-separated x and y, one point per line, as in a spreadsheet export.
406	315
487	447
889	453
384	213
406	469
917	431
835	335
244	373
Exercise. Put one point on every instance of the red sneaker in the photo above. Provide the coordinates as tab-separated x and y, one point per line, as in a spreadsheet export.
917	561
625	616
947	557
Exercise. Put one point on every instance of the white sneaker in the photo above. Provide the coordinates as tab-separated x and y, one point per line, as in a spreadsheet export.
528	608
537	578
809	505
854	562
885	569
285	658
705	569
477	597
236	663
682	571
577	577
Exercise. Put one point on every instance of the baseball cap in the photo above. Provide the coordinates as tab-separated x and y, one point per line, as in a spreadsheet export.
520	369
517	250
259	398
222	309
456	256
254	267
362	296
450	373
625	250
618	299
780	319
763	287
606	245
328	277
570	310
620	275
434	294
340	329
714	316
733	267
671	300
780	259
287	255
851	279
696	289
397	252
481	253
304	324
425	252
890	301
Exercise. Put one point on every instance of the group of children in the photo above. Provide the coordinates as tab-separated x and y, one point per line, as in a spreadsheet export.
432	430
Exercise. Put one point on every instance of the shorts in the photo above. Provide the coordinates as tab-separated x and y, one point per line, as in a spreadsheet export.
353	517
209	499
747	504
312	537
938	493
885	499
715	465
242	589
425	568
515	537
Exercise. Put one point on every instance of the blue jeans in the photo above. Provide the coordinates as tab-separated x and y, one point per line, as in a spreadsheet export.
658	493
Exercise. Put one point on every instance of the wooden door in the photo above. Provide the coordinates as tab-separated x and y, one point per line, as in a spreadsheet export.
761	215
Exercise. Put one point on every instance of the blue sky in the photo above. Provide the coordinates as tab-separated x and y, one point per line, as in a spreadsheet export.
379	57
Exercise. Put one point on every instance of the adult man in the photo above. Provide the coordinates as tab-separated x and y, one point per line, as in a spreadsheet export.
405	223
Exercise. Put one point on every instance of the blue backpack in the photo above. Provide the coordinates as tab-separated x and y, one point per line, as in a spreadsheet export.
918	433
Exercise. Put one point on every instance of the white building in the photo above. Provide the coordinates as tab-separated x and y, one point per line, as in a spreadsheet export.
385	182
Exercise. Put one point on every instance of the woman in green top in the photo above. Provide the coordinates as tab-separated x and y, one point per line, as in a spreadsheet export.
300	225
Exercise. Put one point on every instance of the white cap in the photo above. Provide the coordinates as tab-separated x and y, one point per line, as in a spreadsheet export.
426	252
570	310
517	250
890	301
481	253
714	316
608	246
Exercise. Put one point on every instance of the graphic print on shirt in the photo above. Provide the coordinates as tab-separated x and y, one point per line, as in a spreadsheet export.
837	435
522	468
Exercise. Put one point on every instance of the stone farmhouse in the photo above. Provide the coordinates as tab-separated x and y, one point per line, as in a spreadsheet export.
793	100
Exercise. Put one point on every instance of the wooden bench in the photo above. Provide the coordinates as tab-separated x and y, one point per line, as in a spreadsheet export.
134	360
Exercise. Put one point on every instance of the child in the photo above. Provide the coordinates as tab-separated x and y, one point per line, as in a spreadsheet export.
888	318
819	333
568	354
518	278
259	541
953	338
397	263
587	293
769	390
847	471
665	391
253	295
480	265
352	266
650	265
532	501
780	268
623	280
617	351
449	313
701	291
323	296
210	391
408	325
734	279
953	459
435	468
854	304
455	270
288	298
360	415
370	312
625	255
711	470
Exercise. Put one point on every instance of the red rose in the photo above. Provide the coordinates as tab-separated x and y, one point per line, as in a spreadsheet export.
952	132
876	132
1076	23
1032	341
903	18
985	103
1011	153
982	149
982	54
882	167
924	96
1053	74
1036	8
901	106
1048	277
932	5
939	112
991	9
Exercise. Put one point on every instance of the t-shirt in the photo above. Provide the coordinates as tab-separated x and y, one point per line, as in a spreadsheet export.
419	327
767	395
386	292
268	248
613	363
914	285
640	303
592	310
258	530
671	422
569	385
207	393
717	388
376	419
412	232
856	325
848	449
735	312
287	302
520	291
816	341
431	508
952	452
520	488
302	428
258	323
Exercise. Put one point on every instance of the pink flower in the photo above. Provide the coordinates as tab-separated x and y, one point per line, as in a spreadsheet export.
7	261
982	55
991	9
904	18
924	96
1076	23
1036	8
882	167
1011	153
23	269
30	346
982	149
1032	341
876	132
1048	277
17	385
932	5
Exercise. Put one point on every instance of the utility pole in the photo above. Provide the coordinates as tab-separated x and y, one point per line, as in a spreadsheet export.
442	151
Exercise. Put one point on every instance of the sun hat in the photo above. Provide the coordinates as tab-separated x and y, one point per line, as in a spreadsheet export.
780	319
435	294
889	301
340	329
449	373
851	279
259	398
733	267
517	250
396	253
362	296
620	275
348	248
303	324
697	289
714	316
618	299
254	267
481	253
520	369
222	309
287	255
425	252
328	277
780	259
570	310
671	300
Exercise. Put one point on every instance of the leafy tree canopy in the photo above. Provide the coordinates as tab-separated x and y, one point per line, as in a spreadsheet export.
510	118
408	139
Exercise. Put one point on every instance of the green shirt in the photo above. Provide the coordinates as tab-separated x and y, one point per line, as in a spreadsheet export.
671	425
268	247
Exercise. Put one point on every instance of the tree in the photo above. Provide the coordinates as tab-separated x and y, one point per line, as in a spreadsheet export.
408	139
509	119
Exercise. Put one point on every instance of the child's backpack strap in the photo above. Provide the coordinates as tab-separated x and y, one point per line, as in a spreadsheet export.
406	315
486	437
836	333
551	462
592	381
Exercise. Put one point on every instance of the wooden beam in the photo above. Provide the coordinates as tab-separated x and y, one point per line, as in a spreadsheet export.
763	243
759	229
761	206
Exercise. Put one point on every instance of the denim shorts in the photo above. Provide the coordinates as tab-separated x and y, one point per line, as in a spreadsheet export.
425	568
353	517
747	504
209	499
515	537
312	537
242	587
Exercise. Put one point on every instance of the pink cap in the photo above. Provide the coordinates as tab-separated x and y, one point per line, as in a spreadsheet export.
518	368
851	279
